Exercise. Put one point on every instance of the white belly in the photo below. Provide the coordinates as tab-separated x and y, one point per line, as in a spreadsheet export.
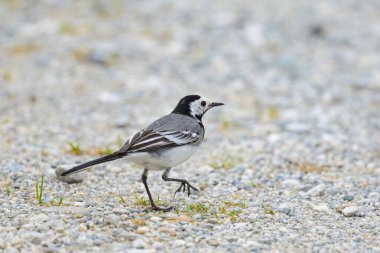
164	159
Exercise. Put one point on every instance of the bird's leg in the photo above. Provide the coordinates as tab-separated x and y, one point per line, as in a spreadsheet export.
144	178
184	183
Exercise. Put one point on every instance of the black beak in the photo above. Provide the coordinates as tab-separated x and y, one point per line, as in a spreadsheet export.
215	104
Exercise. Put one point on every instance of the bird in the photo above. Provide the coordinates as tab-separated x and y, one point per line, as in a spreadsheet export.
165	143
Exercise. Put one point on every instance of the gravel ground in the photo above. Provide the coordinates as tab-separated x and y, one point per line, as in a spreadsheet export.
290	164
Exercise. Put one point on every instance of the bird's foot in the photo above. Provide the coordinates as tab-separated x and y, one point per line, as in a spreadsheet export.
162	209
183	186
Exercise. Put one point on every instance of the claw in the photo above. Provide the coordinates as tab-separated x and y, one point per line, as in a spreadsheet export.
179	189
183	186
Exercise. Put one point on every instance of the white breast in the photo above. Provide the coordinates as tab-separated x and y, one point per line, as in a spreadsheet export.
165	158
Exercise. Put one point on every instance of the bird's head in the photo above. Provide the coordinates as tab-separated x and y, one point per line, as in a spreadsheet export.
194	106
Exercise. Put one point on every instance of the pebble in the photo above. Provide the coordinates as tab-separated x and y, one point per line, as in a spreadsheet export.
292	183
12	166
38	218
298	127
350	211
11	250
317	190
139	244
348	197
323	208
375	196
2	243
102	54
71	179
213	242
120	211
56	224
142	230
82	227
112	219
197	216
155	219
178	243
284	208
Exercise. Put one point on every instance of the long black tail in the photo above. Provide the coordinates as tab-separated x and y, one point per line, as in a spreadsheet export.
103	159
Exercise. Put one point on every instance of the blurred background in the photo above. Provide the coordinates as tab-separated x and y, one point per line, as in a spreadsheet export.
299	78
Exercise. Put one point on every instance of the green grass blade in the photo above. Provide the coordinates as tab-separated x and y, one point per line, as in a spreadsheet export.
41	187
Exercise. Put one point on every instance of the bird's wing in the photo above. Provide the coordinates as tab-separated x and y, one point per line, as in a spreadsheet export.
149	140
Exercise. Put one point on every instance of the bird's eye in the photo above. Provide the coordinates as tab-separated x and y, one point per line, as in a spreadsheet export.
203	103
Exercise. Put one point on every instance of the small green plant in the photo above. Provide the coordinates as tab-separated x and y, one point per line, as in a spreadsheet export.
253	185
239	204
40	193
226	162
68	29
234	214
177	212
134	165
273	112
160	202
197	208
225	124
105	151
75	148
60	201
268	210
122	200
39	190
8	192
141	201
222	209
53	203
232	209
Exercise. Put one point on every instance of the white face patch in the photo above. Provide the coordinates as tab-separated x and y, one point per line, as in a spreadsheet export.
199	107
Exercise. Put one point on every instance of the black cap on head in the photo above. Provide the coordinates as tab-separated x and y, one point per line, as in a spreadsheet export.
183	106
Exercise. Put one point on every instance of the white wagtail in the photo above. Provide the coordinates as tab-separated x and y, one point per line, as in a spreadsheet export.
165	143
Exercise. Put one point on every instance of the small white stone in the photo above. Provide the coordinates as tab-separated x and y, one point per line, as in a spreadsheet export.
179	243
73	178
155	219
54	224
82	227
292	183
213	242
139	244
317	190
350	211
297	127
374	196
284	208
120	211
78	204
142	230
39	218
11	250
197	216
323	208
2	244
206	168
109	97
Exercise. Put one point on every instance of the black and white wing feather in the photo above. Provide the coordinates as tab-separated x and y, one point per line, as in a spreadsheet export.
150	140
172	130
144	141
